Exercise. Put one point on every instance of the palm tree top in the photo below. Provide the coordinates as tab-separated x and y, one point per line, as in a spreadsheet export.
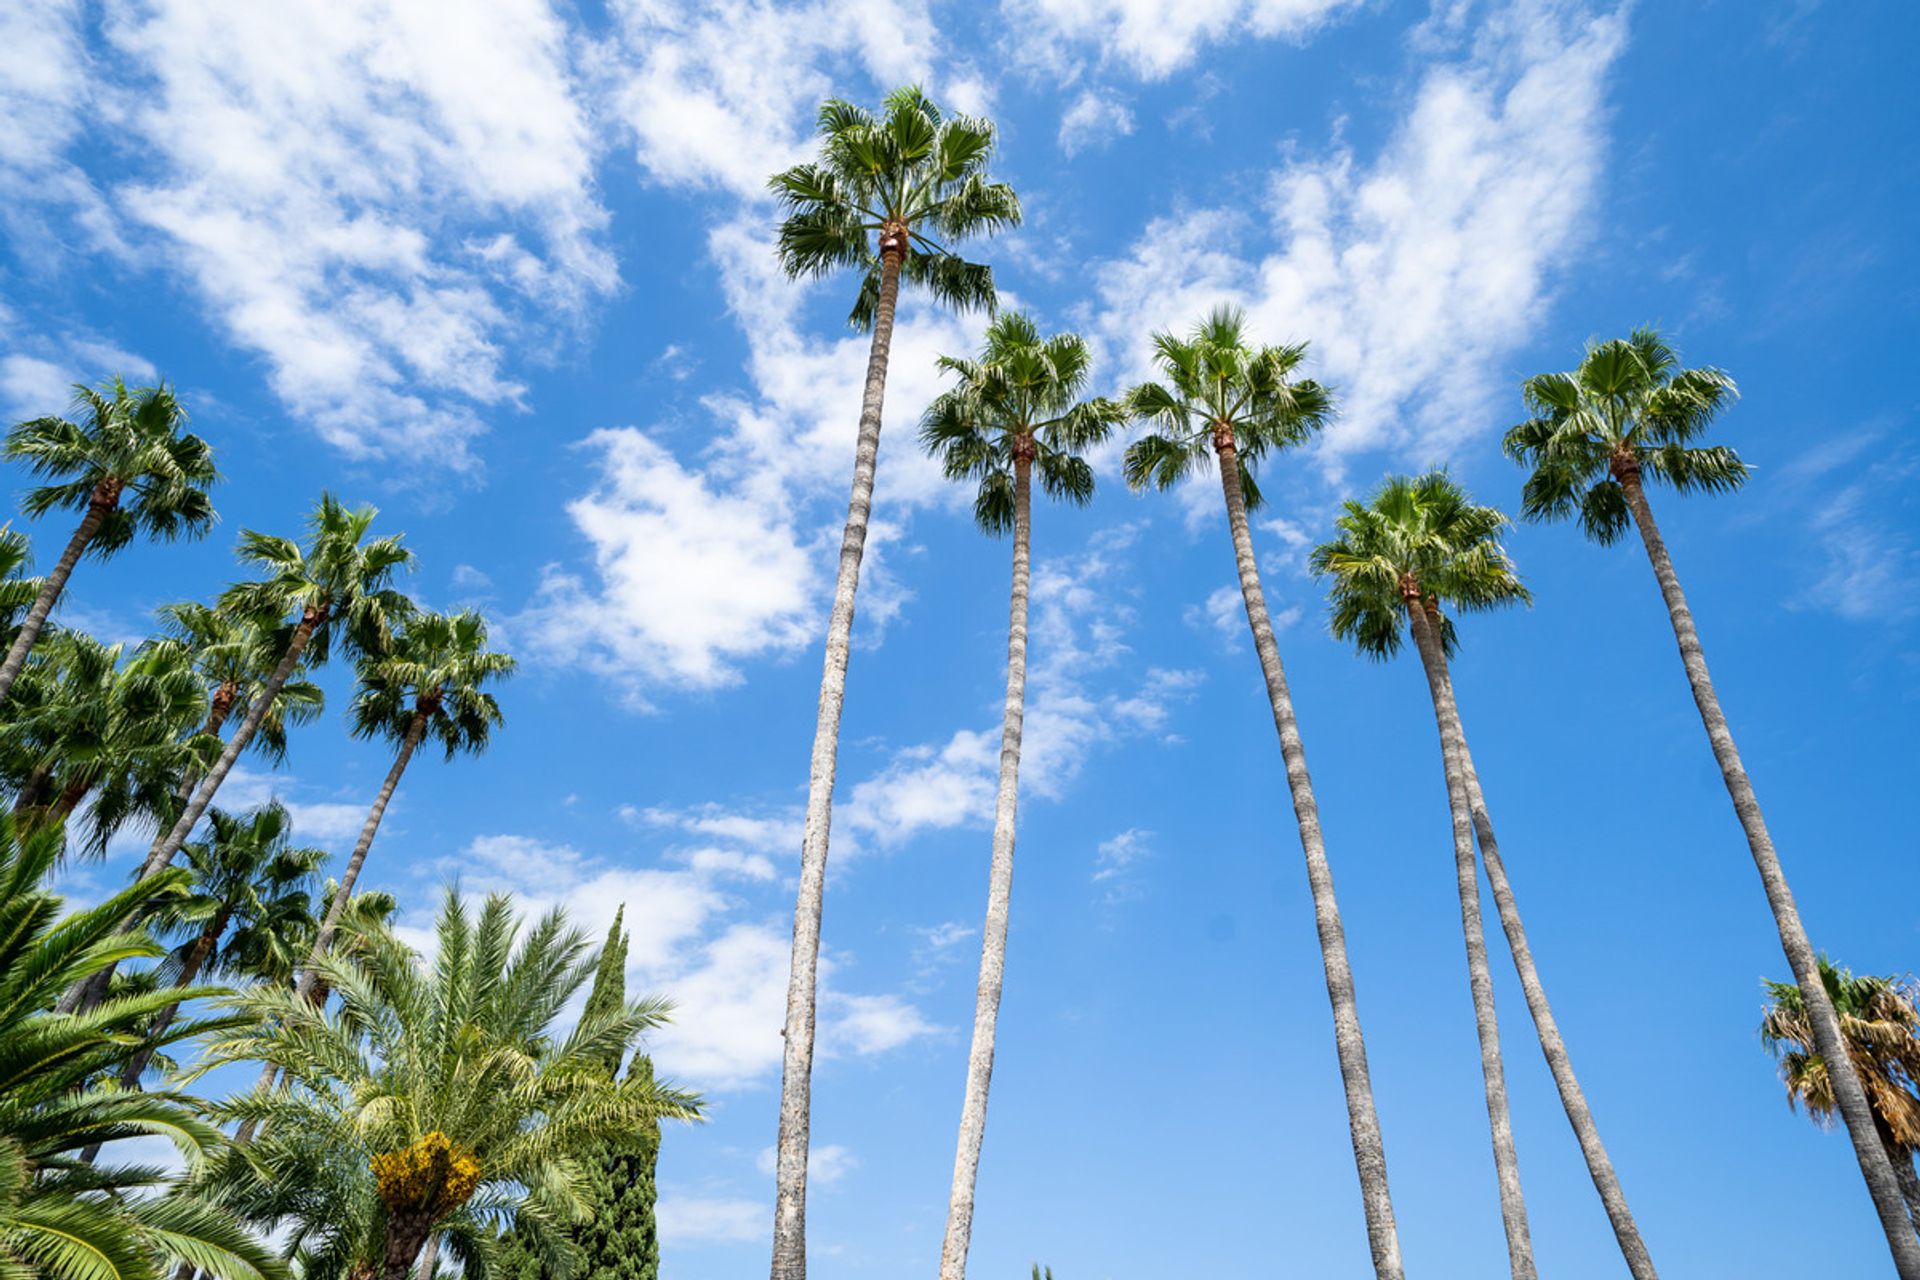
1417	540
1019	398
1629	411
128	448
437	666
340	579
910	181
1881	1027
235	657
1218	389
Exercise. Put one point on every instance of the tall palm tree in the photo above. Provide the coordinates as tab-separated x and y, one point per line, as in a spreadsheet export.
61	1218
18	591
339	584
1415	546
1225	398
887	197
129	467
1629	414
439	1097
1014	410
1882	1030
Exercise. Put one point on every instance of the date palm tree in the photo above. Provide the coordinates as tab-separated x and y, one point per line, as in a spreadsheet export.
1418	547
431	682
1882	1030
1015	410
1226	399
129	467
339	584
60	1217
1627	416
887	197
439	1093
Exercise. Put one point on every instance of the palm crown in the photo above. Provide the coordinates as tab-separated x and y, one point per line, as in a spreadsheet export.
235	659
1221	390
1629	411
1416	540
909	181
247	873
1019	398
130	449
1881	1028
340	581
437	667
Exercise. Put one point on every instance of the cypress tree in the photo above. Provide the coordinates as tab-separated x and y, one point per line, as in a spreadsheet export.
620	1241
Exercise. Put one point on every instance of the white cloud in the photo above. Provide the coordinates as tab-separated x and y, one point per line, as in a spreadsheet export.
37	377
826	1165
926	788
1117	861
1416	272
701	1220
1151	38
1863	562
47	94
1094	120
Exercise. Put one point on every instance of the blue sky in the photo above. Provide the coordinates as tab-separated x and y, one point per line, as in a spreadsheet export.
503	269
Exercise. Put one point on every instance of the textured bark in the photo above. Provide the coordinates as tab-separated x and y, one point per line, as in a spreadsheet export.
343	893
1506	1161
1572	1098
790	1168
407	1232
1851	1098
993	940
1363	1123
429	1258
106	496
91	992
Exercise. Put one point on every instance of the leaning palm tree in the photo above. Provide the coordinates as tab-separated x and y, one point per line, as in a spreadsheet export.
1015	410
429	683
1225	398
438	1093
1881	1025
129	467
1629	415
18	591
887	197
60	1217
339	584
1416	546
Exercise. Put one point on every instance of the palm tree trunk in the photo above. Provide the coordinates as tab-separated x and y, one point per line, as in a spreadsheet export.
1363	1123
416	729
1506	1161
407	1232
89	993
106	496
796	1076
429	1258
993	943
1572	1098
216	720
1847	1092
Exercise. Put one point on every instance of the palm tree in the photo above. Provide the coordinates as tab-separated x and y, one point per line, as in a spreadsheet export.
60	1217
1015	409
429	682
17	590
1415	546
338	584
130	468
1628	415
1239	402
1882	1031
439	1097
887	196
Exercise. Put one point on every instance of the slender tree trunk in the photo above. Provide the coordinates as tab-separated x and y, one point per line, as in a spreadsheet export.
1902	1161
106	496
429	1258
416	729
790	1170
407	1232
216	720
89	993
1572	1098
1369	1152
993	941
1506	1161
1852	1099
32	791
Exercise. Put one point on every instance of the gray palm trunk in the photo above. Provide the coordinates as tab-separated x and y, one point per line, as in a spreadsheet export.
796	1078
106	496
216	721
1363	1122
92	991
1506	1161
429	1258
1847	1091
1572	1098
993	941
